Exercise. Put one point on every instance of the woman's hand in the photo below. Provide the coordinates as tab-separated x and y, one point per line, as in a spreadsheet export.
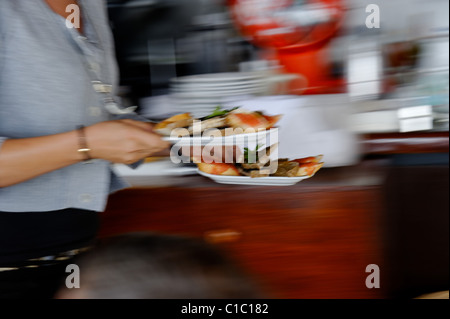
123	141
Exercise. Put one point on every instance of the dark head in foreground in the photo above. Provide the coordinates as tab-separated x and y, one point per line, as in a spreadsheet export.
155	266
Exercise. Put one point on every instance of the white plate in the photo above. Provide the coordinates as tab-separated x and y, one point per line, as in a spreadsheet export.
218	86
218	77
259	181
238	139
158	168
176	99
213	94
237	91
198	104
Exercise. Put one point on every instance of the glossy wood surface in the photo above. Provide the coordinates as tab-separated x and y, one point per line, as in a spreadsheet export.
310	240
406	143
316	238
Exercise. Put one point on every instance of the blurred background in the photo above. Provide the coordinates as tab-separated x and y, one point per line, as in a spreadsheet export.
356	82
326	42
346	68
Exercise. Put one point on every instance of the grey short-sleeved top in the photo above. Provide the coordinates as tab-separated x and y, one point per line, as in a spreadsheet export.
46	74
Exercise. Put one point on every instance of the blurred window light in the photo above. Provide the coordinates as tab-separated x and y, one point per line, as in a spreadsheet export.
364	78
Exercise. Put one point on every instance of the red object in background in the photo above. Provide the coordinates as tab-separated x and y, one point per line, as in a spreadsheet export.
300	49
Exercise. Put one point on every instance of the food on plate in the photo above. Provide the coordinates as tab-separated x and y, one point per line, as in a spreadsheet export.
219	169
307	166
255	120
287	168
219	119
177	121
282	167
256	163
309	169
310	159
205	125
218	112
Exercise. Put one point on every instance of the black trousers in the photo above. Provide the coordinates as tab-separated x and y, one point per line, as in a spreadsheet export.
33	283
29	235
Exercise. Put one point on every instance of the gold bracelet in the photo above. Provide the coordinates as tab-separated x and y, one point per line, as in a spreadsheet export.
84	149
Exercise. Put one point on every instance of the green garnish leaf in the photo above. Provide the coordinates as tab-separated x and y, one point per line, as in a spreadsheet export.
251	155
219	112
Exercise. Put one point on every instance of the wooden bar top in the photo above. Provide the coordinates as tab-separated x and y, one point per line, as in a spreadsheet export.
366	173
313	239
406	143
310	240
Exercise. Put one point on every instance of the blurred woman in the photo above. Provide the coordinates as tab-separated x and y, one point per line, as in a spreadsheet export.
61	127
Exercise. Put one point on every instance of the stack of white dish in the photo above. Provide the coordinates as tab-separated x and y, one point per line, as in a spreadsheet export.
201	94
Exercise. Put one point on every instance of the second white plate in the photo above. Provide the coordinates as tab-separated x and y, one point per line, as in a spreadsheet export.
258	181
237	139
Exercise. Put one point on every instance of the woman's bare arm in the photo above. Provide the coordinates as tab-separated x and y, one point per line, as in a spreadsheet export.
122	141
23	159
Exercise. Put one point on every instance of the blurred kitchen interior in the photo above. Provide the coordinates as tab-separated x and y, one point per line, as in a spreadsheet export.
371	94
406	58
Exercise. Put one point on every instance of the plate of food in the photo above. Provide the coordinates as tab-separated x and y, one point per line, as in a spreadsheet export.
212	139
261	181
221	78
221	127
263	171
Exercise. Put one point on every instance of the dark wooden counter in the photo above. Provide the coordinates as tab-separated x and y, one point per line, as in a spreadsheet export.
406	143
316	238
310	240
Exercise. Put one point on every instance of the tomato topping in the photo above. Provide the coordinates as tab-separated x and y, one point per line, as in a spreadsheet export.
305	160
250	119
272	120
309	168
220	168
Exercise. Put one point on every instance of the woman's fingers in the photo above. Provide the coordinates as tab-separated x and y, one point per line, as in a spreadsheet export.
127	141
124	141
